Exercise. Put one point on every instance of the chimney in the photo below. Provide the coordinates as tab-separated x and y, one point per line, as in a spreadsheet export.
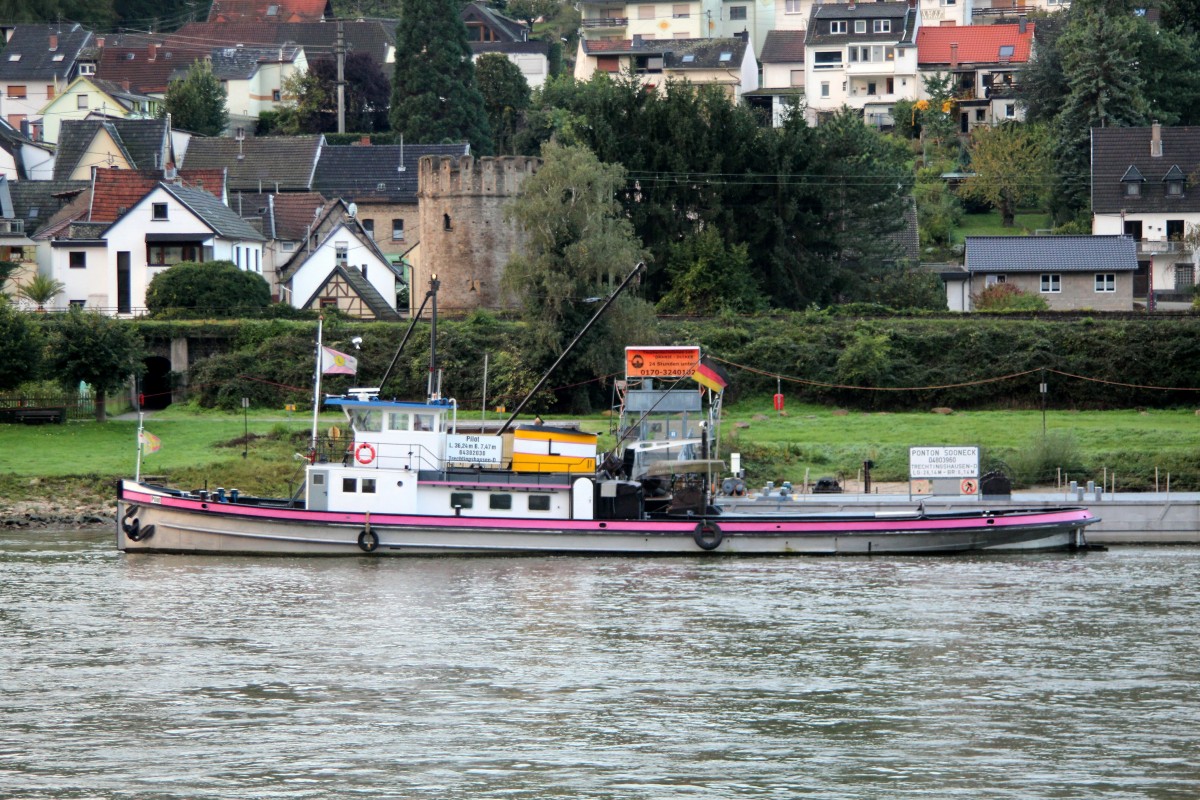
364	140
53	42
850	5
1156	140
125	84
153	50
954	55
912	3
637	40
1021	26
100	42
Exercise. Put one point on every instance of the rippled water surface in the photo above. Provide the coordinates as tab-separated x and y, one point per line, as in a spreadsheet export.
1064	676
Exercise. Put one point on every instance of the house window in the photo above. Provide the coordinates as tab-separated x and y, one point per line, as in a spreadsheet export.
397	230
1010	110
680	11
824	88
1185	277
87	69
837	26
49	91
980	114
992	280
881	26
500	502
860	26
1051	283
827	59
237	257
349	484
257	261
1106	281
539	502
159	211
328	302
949	2
1174	188
341	253
462	500
77	304
276	95
645	12
1133	189
369	227
81	101
792	7
78	259
16	92
447	224
737	12
797	77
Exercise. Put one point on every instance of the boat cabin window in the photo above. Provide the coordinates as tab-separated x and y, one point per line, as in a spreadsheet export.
539	502
368	486
349	484
369	420
501	502
423	422
462	500
397	421
318	479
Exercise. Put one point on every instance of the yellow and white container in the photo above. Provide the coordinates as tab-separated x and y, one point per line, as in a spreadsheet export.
538	448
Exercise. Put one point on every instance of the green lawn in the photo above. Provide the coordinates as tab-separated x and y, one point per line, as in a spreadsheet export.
989	224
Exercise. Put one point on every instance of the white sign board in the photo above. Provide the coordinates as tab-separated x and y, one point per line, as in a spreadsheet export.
474	449
943	462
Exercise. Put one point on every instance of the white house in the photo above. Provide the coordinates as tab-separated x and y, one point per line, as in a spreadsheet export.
863	56
346	270
112	268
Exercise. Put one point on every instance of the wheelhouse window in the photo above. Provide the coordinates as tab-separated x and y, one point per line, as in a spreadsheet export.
369	420
462	500
1051	283
539	502
1106	282
368	485
350	485
423	422
500	502
397	421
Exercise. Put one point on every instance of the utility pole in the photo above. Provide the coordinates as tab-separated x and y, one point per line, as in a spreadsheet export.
341	76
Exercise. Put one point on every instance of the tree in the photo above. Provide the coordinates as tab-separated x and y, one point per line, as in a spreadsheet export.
40	290
1099	56
209	289
197	102
1008	162
505	97
367	92
434	98
95	349
708	277
21	351
530	10
580	245
7	270
1043	85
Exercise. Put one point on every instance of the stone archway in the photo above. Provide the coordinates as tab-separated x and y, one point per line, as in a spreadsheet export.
156	383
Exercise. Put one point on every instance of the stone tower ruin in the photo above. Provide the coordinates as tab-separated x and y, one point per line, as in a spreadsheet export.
465	239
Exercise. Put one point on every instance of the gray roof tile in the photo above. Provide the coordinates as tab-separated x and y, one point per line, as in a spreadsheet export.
783	47
361	173
1115	151
35	59
220	217
268	163
145	142
1050	254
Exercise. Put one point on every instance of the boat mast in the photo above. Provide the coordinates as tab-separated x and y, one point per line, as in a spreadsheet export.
435	384
599	313
412	324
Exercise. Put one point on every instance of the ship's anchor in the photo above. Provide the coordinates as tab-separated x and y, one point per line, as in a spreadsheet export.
133	526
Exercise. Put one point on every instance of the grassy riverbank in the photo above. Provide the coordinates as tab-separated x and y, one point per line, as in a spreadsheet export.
64	471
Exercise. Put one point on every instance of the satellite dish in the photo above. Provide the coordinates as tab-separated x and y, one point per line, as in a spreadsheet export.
353	210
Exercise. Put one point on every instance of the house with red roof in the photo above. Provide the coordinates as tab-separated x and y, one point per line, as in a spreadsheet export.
270	11
985	63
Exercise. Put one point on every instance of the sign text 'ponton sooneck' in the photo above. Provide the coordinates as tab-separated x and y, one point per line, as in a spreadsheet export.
943	462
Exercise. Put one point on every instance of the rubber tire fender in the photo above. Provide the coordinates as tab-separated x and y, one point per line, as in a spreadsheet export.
708	535
368	541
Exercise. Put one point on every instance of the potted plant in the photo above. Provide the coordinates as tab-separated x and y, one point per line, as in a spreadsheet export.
40	290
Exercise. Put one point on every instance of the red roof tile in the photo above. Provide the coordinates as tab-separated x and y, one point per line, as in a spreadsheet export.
114	191
269	11
977	44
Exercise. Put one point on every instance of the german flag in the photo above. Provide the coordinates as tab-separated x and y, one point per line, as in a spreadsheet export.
709	374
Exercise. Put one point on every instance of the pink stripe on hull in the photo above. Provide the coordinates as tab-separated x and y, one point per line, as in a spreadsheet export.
728	525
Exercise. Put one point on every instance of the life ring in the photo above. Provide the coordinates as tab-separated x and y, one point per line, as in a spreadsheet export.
364	453
708	536
368	541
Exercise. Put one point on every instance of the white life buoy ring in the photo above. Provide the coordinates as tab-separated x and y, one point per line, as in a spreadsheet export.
364	453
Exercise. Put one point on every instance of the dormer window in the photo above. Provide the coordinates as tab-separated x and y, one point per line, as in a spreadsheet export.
1173	181
837	26
882	26
1132	181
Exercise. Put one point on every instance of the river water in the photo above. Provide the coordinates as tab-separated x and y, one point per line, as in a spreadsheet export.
1037	676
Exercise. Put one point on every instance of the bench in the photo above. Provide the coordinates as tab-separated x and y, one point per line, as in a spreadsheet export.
34	416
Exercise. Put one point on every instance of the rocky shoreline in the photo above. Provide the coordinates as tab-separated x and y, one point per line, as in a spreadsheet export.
49	515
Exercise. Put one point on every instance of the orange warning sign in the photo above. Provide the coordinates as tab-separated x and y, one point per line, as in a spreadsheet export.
661	362
970	486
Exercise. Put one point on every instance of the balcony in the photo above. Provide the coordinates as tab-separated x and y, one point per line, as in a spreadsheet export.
606	22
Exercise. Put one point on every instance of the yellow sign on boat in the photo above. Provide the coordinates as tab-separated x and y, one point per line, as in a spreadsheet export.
538	448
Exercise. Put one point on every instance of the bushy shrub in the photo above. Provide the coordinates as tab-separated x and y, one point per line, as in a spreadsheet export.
1007	297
